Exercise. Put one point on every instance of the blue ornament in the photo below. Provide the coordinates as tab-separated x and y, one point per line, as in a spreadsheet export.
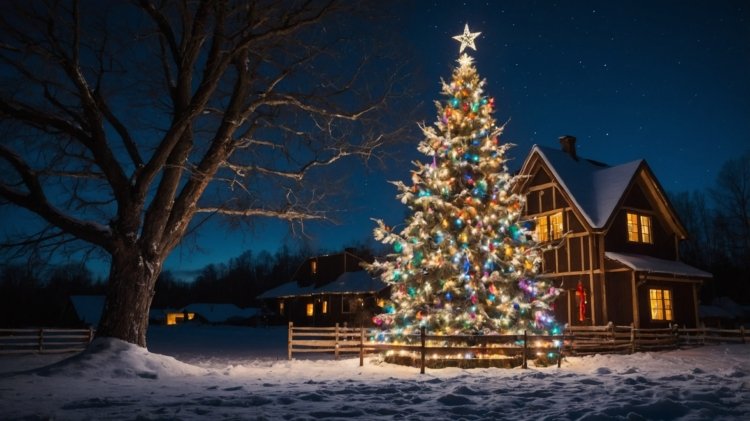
398	247
455	102
448	296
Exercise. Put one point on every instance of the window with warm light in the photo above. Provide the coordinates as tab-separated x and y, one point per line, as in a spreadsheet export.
314	267
549	227
661	304
556	225
639	228
281	308
542	230
324	307
310	309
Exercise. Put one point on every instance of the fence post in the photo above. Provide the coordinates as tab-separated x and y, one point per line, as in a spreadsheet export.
289	342
524	365
41	340
560	350
336	343
361	345
632	337
742	333
423	349
91	333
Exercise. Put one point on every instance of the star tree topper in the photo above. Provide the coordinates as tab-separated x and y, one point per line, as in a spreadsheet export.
467	39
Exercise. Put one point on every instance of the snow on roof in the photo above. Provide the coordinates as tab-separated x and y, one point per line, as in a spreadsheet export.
595	188
652	264
218	313
287	290
352	282
88	308
347	283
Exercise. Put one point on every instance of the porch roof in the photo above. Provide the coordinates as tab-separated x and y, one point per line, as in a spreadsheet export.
641	263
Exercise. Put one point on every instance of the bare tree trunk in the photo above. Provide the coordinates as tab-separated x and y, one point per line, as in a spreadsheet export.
131	289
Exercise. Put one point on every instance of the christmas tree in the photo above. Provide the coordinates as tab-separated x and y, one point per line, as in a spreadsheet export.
466	263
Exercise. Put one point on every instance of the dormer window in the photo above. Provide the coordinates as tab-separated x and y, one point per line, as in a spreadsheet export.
639	228
549	227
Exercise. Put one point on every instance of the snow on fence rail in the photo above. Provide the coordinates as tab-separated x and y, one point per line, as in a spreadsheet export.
576	340
22	341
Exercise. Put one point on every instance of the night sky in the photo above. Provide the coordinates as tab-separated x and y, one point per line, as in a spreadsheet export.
667	81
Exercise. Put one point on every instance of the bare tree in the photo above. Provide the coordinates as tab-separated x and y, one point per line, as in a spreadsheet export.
732	196
122	122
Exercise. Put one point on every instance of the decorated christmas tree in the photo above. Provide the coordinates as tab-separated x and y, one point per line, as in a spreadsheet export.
466	261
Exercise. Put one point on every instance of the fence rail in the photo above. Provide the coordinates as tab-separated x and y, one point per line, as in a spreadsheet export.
23	341
576	340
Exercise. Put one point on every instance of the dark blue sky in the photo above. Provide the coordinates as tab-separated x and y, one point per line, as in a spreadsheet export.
667	81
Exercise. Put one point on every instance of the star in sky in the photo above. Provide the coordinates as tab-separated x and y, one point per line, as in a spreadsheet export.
467	39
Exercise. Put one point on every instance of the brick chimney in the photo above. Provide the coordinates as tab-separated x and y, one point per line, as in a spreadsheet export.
568	144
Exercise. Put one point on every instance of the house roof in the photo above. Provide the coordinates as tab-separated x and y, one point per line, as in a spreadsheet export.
352	282
218	313
643	263
88	308
288	289
595	188
347	283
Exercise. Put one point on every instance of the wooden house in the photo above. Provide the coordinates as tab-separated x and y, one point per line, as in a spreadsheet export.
610	240
326	290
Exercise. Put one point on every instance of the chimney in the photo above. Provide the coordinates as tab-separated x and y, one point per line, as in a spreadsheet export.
568	144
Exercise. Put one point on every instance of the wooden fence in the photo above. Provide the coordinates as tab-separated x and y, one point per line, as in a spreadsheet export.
22	341
576	340
584	340
341	339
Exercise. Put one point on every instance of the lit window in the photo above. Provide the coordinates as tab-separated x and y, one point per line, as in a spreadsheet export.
549	227
661	304
324	307
556	224
281	308
632	227
381	302
646	229
310	309
314	267
542	230
639	228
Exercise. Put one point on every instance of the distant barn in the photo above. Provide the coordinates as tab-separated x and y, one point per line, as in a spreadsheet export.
329	289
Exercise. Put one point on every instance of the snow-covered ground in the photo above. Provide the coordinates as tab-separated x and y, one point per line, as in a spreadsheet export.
200	372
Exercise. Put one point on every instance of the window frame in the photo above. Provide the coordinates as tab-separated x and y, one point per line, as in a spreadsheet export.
550	227
664	309
346	305
639	227
310	309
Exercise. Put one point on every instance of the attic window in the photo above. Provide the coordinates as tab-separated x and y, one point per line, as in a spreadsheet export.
639	228
314	267
661	304
549	227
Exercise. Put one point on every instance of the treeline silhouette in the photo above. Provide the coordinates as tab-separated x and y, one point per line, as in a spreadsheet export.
32	295
718	223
